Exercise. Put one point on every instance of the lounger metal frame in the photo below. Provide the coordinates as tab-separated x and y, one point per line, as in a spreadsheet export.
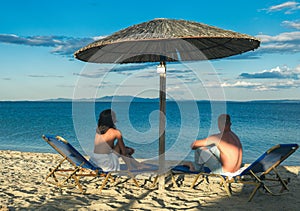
253	175
78	170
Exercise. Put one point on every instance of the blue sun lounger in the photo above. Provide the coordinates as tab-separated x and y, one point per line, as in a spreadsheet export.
62	174
255	174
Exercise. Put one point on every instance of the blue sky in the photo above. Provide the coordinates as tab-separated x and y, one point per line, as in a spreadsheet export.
38	39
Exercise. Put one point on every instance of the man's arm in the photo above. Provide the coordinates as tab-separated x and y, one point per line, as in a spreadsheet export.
214	139
198	143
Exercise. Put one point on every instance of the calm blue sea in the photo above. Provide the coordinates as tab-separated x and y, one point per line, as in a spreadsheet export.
260	125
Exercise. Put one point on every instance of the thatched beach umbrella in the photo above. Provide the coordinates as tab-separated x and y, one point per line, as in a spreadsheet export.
165	40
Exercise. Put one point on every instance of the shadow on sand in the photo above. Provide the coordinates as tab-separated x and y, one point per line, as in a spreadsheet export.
126	196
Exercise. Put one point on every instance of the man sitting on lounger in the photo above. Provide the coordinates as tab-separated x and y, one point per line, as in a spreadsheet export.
220	152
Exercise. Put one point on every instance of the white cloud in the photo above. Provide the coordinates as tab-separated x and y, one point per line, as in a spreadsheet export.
288	42
297	69
283	37
61	45
240	84
173	88
289	7
98	38
94	75
292	24
258	86
6	79
283	72
44	76
278	78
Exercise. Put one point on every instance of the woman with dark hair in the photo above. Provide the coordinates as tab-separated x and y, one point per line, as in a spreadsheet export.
106	152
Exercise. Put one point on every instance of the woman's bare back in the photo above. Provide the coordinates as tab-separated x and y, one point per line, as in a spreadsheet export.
104	143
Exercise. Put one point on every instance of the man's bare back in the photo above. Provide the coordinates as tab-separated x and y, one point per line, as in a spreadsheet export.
231	152
228	144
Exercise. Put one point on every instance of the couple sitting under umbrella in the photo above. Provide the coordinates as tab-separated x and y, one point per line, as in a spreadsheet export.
224	156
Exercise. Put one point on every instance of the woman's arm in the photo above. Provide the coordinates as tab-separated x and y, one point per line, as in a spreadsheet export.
120	143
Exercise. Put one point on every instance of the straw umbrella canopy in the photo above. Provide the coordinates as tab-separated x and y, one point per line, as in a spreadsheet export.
166	40
149	41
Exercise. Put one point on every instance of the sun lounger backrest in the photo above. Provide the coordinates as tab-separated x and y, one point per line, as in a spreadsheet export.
271	158
69	152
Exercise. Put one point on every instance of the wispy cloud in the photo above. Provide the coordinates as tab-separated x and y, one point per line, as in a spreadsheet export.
288	42
275	73
241	84
124	69
66	86
258	86
297	69
291	24
45	76
133	67
283	37
97	74
289	7
6	79
278	78
145	70
61	45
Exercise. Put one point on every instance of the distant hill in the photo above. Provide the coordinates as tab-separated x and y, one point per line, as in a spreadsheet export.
275	101
124	98
128	98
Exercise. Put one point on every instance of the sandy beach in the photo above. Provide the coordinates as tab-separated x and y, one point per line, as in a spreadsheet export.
23	186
